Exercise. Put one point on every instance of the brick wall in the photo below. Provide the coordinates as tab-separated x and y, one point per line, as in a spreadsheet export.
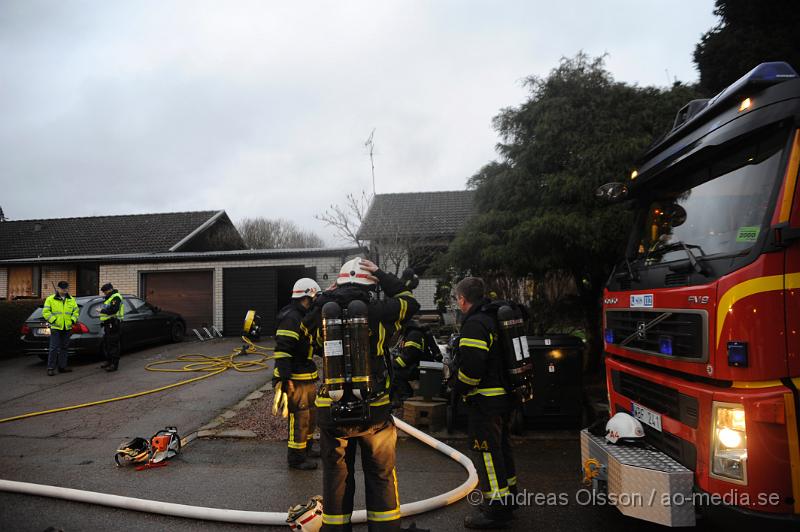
127	277
425	293
3	283
52	275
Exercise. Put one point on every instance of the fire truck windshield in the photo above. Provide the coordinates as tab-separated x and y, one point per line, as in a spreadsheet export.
717	210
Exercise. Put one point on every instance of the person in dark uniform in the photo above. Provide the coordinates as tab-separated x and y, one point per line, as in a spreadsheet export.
295	373
415	348
111	315
377	436
480	381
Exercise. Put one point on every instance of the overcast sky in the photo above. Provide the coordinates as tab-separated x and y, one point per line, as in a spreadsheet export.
262	108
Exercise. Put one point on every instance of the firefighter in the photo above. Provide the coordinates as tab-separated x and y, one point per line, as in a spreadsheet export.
406	365
61	311
111	315
295	373
480	382
375	433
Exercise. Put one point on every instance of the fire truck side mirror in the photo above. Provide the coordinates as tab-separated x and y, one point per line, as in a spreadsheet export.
612	192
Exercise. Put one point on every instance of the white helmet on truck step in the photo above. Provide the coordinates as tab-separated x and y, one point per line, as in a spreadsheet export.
353	272
305	287
623	428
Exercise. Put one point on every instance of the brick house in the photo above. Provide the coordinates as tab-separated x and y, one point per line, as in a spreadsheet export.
413	229
193	263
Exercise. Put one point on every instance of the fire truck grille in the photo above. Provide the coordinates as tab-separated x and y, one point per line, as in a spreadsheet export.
662	399
661	332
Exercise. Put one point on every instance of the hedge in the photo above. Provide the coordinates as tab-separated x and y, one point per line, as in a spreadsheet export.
12	315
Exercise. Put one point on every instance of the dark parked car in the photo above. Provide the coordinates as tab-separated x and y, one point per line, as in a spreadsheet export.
143	324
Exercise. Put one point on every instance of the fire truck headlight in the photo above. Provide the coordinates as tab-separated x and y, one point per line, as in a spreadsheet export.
729	446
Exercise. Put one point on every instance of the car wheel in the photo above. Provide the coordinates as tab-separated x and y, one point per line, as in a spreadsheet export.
176	333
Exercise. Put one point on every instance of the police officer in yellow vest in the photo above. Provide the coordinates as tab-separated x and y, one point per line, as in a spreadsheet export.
61	311
111	314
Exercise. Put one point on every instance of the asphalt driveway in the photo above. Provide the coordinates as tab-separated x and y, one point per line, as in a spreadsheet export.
75	449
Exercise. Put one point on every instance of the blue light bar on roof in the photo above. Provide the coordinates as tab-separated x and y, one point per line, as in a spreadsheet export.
775	71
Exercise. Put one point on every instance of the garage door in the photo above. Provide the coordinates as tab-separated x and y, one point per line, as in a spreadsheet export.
246	289
190	294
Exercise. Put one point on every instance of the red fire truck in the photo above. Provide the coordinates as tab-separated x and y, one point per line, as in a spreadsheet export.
702	316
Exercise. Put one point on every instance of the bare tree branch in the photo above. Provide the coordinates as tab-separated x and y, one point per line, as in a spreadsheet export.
264	233
347	219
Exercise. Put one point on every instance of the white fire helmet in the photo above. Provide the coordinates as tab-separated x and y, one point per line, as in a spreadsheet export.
353	272
623	427
305	287
306	517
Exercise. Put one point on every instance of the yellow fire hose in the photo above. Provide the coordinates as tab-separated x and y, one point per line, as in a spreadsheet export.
195	363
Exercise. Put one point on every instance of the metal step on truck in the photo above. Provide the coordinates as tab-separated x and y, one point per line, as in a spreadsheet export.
701	316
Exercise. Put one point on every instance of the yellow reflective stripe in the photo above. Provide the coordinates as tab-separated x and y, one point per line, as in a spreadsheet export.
512	481
322	401
291	431
304	376
467	380
405	293
281	354
412	344
396	491
402	315
400	362
381	338
287	332
330	519
741	291
794	448
790	179
380	402
495	495
360	379
756	384
491	392
391	515
294	445
335	380
473	342
388	515
494	486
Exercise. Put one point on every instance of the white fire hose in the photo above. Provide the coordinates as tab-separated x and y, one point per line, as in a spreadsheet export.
249	517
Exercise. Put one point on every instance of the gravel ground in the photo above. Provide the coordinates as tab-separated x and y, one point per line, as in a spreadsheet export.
258	418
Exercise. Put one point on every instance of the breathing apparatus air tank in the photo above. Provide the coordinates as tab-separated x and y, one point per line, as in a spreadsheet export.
517	357
358	348
333	361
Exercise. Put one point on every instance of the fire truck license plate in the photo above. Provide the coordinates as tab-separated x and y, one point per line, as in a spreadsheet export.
647	416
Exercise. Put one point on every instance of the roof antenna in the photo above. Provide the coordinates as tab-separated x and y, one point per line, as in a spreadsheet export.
371	145
2	215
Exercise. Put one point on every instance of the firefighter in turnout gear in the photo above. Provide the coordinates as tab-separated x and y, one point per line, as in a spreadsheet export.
61	312
415	348
355	410
111	315
480	381
295	373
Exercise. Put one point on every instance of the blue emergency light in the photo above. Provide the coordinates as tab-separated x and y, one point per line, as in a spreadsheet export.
737	354
609	336
665	345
